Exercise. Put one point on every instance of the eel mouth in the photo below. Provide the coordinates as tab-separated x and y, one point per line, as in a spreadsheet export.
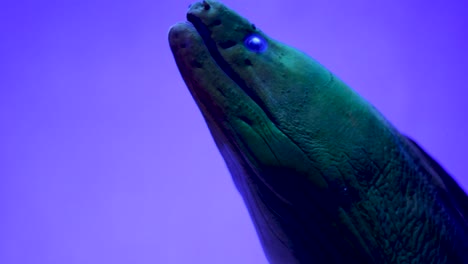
213	48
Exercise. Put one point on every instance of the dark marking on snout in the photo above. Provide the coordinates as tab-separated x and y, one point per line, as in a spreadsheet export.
217	22
227	44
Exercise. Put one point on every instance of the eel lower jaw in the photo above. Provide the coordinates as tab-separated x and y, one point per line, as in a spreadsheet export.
216	94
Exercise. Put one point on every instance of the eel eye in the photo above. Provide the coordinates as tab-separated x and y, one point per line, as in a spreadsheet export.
256	43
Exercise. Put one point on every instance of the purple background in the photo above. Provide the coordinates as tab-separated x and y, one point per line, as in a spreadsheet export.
105	157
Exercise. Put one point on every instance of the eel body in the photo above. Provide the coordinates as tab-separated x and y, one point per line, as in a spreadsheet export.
325	177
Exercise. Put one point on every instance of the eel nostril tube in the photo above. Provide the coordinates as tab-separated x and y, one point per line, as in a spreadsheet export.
206	6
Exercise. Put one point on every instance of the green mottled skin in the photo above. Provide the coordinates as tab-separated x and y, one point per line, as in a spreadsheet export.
326	178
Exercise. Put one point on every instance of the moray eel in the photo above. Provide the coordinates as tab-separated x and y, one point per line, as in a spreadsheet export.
325	177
